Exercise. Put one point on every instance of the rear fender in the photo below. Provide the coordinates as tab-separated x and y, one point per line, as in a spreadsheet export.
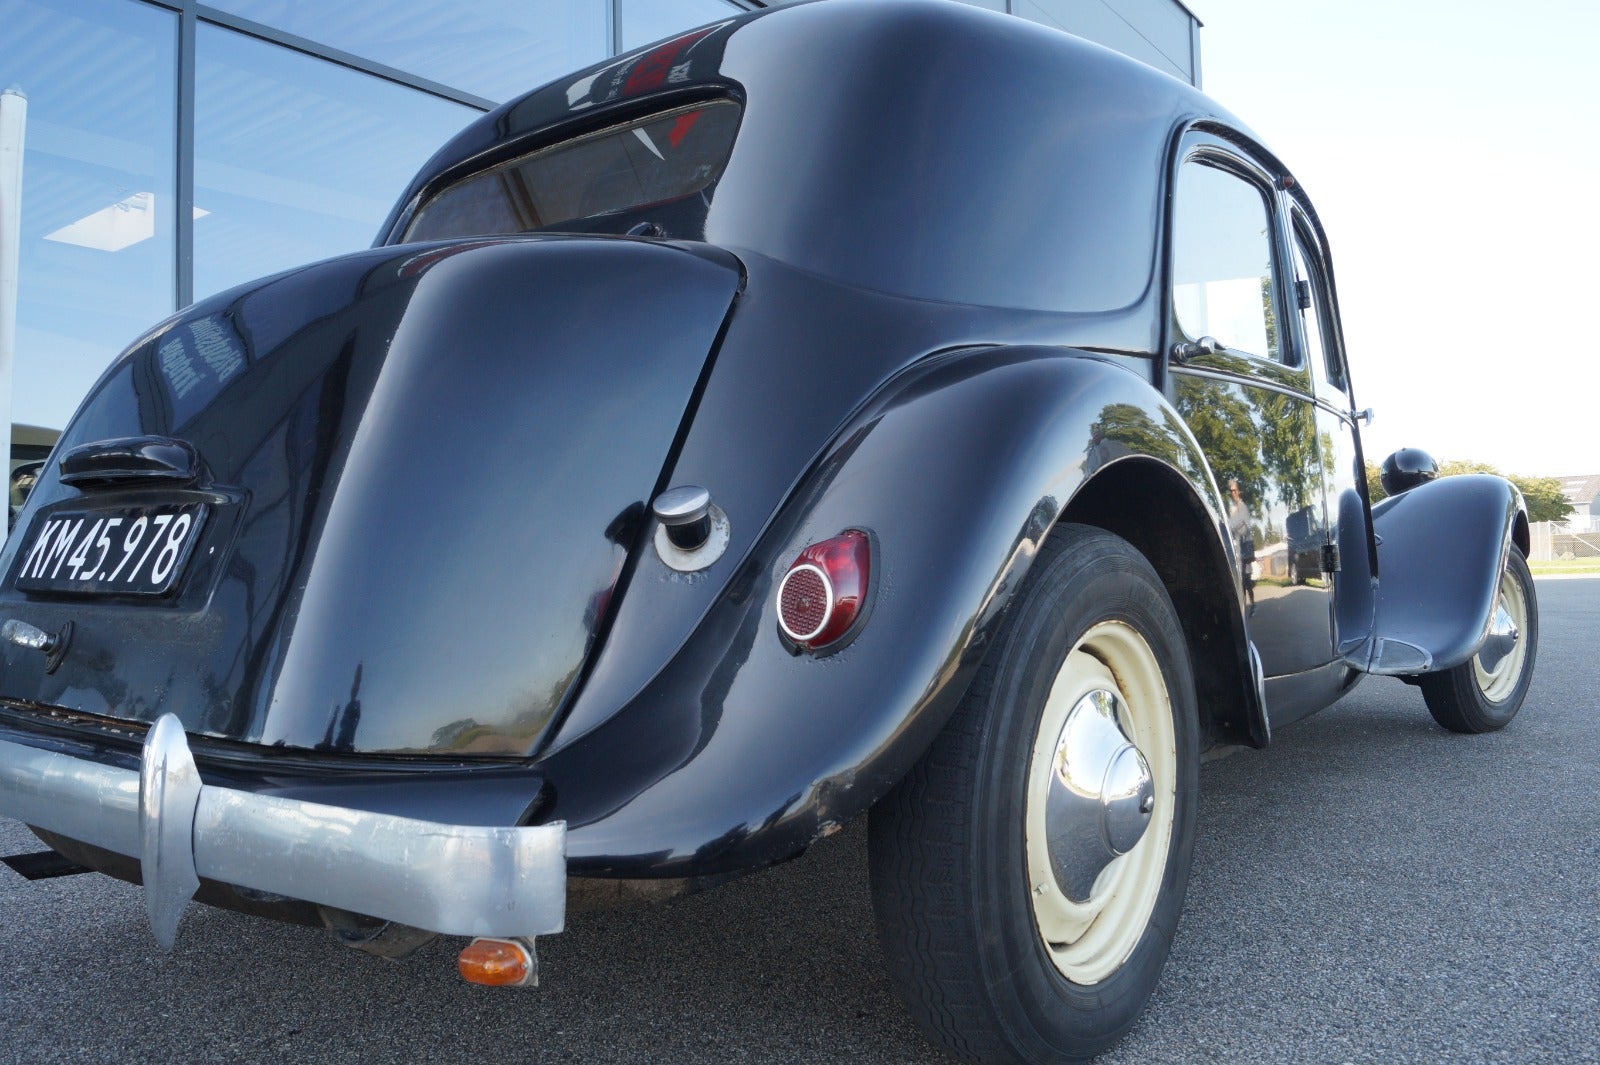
742	751
1442	548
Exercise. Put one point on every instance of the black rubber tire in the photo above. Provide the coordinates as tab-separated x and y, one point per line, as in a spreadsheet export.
1453	696
948	850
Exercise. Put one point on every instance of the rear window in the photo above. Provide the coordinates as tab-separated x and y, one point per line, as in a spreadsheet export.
662	159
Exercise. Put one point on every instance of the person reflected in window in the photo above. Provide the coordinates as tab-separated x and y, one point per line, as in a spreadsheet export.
1244	541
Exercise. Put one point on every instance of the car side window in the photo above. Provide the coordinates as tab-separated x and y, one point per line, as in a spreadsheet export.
1222	262
1311	293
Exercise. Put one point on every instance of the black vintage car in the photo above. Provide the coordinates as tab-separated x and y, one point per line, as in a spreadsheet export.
882	407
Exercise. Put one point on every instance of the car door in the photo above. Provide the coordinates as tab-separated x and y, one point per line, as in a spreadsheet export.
1320	339
1239	379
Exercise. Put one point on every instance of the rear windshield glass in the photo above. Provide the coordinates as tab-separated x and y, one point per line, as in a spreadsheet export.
655	160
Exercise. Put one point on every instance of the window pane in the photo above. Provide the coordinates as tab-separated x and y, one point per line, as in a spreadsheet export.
644	21
1310	326
1222	261
495	50
1321	360
661	160
297	159
96	264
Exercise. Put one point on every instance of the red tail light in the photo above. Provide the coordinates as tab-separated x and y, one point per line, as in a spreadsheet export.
825	590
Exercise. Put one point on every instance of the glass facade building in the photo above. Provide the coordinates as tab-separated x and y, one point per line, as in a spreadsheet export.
175	148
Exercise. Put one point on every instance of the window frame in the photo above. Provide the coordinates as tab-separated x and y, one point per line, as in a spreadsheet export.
1202	149
1305	233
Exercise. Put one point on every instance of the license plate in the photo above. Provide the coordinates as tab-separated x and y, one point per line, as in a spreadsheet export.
121	551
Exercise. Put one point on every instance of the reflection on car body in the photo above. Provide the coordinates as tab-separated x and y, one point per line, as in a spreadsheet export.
833	441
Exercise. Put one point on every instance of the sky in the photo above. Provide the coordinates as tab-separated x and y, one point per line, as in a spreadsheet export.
1451	151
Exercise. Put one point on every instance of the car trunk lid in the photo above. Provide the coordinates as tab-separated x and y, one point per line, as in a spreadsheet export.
415	473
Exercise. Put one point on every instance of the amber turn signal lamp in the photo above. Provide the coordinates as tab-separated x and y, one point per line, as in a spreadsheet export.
496	963
825	590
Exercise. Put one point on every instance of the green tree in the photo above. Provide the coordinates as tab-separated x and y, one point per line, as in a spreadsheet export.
1271	314
1222	425
1546	501
1456	467
1289	449
1375	490
1130	427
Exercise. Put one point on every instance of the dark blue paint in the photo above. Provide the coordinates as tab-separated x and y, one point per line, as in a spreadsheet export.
427	582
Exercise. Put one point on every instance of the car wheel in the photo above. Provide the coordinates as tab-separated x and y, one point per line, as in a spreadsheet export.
1484	693
1029	872
1294	572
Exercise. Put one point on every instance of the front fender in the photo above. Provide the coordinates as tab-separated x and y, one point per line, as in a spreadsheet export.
1442	549
741	752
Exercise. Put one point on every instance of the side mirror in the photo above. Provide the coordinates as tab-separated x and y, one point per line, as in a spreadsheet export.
1407	468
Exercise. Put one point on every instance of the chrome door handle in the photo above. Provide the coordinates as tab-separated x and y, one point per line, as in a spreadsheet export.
1185	350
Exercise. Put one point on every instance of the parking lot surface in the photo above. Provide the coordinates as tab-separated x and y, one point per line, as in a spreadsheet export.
1371	888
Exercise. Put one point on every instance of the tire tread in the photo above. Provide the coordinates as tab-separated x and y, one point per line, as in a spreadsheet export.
924	885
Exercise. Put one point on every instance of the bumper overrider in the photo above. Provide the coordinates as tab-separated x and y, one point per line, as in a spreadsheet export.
453	879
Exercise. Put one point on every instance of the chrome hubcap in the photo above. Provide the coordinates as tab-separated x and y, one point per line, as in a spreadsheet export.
1100	798
1502	638
1101	802
1497	667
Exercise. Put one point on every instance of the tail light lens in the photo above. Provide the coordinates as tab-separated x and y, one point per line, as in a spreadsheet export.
825	590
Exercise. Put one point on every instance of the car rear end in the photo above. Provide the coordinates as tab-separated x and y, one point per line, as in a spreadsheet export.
320	561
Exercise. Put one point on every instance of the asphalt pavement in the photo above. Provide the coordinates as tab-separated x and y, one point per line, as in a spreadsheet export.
1371	888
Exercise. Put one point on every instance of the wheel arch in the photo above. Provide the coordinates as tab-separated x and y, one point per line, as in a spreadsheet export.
1442	549
740	752
1158	511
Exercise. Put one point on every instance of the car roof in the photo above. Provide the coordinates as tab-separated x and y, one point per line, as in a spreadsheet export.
924	148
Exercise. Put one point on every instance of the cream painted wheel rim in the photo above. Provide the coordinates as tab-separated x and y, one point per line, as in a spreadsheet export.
1089	941
1498	684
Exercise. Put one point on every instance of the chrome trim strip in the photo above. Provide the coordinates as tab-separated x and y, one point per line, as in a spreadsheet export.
827	610
455	879
1257	382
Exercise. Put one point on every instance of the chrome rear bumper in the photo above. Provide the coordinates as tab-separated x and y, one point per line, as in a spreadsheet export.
453	879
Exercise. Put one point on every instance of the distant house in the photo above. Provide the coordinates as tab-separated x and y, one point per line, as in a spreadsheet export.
1583	492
